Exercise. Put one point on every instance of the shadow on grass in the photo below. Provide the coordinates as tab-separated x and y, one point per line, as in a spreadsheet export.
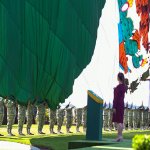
55	142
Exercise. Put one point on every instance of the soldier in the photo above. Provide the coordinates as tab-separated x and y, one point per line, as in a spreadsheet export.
78	118
125	116
11	113
105	122
21	118
110	114
69	119
29	115
135	118
84	118
52	120
138	117
130	118
141	113
1	112
41	117
146	124
60	119
149	119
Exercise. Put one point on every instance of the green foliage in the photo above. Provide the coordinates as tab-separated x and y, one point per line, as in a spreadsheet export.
141	142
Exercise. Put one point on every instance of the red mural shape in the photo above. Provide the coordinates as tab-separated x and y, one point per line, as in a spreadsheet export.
142	8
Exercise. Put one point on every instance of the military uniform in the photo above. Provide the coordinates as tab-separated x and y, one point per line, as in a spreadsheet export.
52	120
60	119
1	111
149	119
29	115
135	118
130	118
110	114
78	118
105	118
146	124
138	118
84	118
141	113
69	119
41	117
11	114
125	116
21	118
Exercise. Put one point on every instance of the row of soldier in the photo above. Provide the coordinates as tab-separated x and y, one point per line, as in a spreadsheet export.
56	116
134	117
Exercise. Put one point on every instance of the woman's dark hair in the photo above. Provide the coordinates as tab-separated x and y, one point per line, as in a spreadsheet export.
121	77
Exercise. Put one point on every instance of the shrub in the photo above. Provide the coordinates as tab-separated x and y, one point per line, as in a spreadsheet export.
141	142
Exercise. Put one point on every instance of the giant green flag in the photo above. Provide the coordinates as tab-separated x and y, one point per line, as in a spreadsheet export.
44	46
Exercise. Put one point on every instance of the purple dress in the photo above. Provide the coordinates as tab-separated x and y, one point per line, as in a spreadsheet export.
118	103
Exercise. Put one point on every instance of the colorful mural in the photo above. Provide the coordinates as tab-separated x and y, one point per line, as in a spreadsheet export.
132	38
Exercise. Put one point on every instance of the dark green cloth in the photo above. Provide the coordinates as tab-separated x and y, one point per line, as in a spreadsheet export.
45	45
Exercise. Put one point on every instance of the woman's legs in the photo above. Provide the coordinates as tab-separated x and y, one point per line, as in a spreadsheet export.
120	129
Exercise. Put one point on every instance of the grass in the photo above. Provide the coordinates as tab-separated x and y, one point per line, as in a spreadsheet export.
58	142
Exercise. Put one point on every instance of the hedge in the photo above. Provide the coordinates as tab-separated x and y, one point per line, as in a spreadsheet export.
141	142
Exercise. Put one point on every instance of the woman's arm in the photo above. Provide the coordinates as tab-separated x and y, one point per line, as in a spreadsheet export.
116	97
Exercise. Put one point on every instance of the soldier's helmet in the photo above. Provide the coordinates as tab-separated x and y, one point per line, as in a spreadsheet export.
109	105
126	105
146	108
104	105
141	107
134	107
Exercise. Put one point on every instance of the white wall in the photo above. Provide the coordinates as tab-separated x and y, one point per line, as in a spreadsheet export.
100	75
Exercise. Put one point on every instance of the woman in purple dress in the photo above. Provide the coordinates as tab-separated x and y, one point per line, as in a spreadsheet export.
118	105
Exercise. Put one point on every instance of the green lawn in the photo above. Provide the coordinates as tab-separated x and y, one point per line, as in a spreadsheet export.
59	142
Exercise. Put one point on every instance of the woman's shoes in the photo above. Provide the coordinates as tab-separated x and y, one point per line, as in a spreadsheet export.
120	139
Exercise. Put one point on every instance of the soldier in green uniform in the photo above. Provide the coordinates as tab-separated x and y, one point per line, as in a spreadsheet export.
1	112
11	113
69	119
125	116
52	120
21	118
130	118
60	119
29	116
110	114
41	116
78	118
149	119
146	118
141	113
138	117
135	118
105	116
84	118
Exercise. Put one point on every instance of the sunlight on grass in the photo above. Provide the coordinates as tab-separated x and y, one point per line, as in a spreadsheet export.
56	142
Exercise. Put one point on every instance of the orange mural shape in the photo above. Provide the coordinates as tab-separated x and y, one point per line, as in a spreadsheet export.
136	36
144	62
122	57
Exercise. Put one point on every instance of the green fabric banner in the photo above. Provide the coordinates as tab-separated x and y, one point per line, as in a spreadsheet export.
44	46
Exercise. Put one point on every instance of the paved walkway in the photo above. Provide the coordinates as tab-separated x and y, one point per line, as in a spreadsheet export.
15	146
